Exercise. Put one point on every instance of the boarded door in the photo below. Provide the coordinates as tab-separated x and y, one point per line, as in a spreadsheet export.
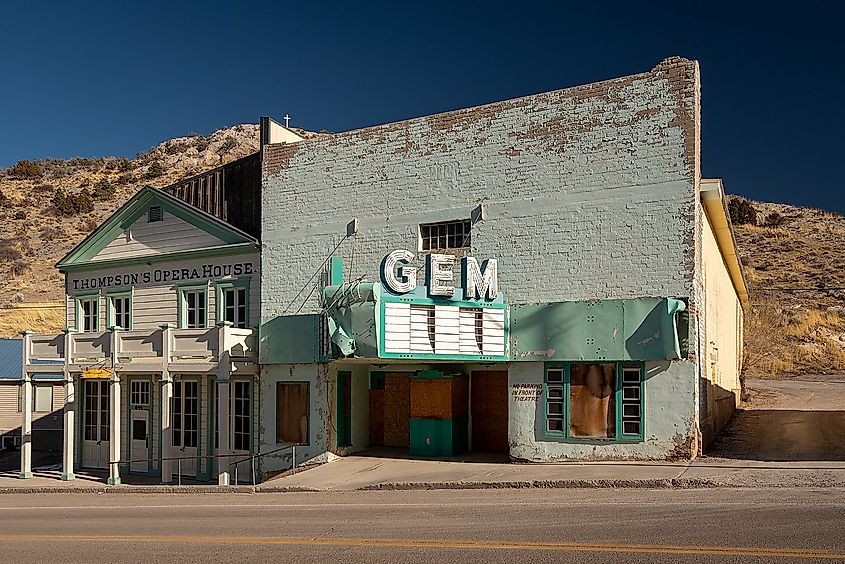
397	409
490	411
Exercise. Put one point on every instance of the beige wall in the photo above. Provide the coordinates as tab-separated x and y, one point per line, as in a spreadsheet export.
10	417
722	334
154	303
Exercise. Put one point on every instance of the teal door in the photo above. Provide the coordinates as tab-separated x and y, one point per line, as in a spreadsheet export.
344	409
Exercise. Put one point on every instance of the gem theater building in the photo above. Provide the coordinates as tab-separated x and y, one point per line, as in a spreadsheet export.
546	278
543	278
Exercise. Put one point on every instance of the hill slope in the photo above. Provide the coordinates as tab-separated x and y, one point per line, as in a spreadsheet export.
36	234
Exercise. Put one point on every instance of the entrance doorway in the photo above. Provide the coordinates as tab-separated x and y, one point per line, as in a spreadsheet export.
185	415
95	439
490	411
140	452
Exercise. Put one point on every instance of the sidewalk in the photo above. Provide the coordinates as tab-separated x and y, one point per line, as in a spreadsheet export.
392	473
385	473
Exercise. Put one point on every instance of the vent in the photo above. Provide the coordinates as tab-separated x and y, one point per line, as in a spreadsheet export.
155	214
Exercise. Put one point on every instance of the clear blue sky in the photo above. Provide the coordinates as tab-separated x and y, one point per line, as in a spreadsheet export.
114	78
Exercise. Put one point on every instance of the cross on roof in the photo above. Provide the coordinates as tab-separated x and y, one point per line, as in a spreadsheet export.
287	120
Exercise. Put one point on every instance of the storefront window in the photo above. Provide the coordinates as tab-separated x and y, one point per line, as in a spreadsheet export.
594	401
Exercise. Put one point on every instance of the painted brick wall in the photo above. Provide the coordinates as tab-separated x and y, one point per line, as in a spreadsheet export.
588	192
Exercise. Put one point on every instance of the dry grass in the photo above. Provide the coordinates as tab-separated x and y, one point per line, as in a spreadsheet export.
41	318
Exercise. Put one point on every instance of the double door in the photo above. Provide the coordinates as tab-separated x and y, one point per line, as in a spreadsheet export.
185	425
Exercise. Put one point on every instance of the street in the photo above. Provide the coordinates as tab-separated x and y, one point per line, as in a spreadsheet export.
492	525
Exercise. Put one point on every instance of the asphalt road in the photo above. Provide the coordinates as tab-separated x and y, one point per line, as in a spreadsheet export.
485	526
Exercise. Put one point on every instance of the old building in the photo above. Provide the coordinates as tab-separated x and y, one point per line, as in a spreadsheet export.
546	278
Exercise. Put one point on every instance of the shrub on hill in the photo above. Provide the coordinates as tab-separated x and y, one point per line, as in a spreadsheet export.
26	170
104	190
774	219
70	204
742	211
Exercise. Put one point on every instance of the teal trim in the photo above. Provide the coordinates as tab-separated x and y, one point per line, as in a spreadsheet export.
134	209
181	314
221	286
429	356
344	417
335	271
565	435
120	293
209	252
78	298
416	300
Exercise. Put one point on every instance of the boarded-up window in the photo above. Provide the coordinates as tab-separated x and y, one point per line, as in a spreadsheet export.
592	404
43	398
292	412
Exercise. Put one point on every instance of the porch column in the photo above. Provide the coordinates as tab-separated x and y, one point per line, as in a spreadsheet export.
26	409
166	406
223	432
67	442
114	430
69	416
26	427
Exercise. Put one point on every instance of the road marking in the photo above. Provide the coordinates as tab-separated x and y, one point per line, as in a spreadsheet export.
804	553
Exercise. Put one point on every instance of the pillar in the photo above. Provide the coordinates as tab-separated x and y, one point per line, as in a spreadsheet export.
26	427
114	431
224	446
67	441
166	406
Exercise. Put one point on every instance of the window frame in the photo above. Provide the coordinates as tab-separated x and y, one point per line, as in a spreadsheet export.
565	435
182	312
110	313
307	410
466	227
221	287
79	317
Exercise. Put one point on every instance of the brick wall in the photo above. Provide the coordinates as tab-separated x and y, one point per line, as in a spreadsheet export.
588	192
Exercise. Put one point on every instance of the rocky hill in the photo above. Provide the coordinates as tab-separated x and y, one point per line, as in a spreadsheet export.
793	256
795	269
49	206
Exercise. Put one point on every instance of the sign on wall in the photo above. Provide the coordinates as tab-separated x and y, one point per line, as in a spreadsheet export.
477	281
160	276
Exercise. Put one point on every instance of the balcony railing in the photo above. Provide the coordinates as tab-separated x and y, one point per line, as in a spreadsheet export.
197	349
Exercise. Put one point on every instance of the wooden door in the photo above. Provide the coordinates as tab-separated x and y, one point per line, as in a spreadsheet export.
490	411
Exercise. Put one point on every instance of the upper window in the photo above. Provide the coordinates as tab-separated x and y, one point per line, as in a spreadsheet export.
594	401
234	306
121	311
89	314
193	308
446	235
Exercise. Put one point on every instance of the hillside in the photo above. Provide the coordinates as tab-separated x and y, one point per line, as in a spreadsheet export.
794	328
38	201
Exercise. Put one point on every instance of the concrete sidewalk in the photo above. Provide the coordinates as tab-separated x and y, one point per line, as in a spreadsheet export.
384	473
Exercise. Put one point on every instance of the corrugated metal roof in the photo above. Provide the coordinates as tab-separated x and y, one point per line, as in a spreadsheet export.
11	359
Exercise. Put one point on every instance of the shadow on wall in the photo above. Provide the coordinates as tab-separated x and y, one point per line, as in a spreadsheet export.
782	436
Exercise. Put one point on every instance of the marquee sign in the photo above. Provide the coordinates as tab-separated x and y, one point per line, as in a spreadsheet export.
477	281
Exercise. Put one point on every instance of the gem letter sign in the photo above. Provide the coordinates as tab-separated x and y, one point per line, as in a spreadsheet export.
479	282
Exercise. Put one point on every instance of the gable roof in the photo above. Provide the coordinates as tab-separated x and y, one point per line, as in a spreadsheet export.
135	208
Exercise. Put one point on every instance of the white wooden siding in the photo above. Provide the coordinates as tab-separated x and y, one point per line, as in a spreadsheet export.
169	235
10	417
157	303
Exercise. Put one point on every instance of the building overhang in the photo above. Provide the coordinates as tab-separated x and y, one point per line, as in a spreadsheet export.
715	207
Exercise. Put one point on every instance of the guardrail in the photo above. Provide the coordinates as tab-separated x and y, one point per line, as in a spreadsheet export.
236	463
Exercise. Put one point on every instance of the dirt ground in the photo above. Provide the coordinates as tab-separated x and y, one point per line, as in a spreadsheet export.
794	419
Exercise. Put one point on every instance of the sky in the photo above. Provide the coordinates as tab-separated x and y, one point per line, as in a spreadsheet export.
115	78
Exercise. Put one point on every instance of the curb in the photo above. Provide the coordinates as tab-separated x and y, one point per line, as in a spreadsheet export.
124	489
651	484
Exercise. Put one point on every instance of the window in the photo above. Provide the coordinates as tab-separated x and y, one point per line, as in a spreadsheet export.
594	401
120	311
445	235
234	306
155	214
241	416
88	314
292	412
139	393
42	396
193	308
